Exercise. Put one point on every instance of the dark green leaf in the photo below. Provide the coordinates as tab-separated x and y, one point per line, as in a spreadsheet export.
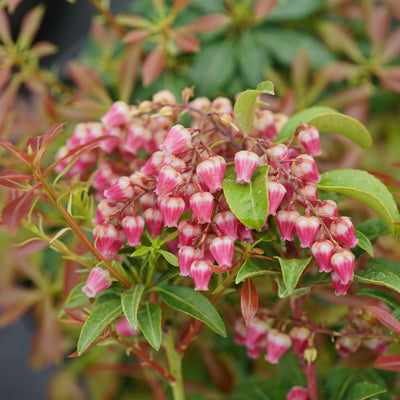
76	297
378	276
387	298
149	317
364	390
373	229
130	303
291	10
364	187
254	267
105	310
364	243
193	303
249	202
386	264
292	270
171	258
327	120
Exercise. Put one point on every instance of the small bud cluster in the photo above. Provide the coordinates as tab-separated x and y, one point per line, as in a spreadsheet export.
260	334
180	185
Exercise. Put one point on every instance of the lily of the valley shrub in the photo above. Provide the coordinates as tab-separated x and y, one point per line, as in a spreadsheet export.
194	200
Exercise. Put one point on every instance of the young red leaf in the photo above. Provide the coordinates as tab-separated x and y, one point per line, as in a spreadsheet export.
218	370
128	72
5	74
388	362
8	98
34	144
30	25
208	23
17	209
14	180
248	301
378	25
390	78
179	5
385	318
74	313
391	48
263	8
45	140
5	32
12	5
185	42
88	80
136	36
153	65
43	49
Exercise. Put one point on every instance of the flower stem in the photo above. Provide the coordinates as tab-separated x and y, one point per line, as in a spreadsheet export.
175	366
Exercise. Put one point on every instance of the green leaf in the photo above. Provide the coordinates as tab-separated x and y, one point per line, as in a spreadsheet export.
193	303
386	264
362	186
364	243
249	202
384	296
364	390
76	297
130	303
373	229
378	276
105	310
292	10
327	120
291	271
284	292
141	251
149	317
171	258
245	106
255	267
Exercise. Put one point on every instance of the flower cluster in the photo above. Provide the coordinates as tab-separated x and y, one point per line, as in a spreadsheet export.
180	185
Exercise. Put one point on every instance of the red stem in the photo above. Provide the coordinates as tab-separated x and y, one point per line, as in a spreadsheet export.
312	383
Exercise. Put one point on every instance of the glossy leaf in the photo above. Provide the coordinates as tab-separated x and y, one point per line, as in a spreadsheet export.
255	267
362	186
130	300
364	390
245	106
327	120
388	363
149	317
193	303
105	310
385	264
378	276
249	202
292	270
385	318
364	243
382	295
248	301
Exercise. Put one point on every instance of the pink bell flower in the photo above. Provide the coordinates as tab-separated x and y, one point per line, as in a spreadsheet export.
177	140
323	252
246	163
299	336
154	221
186	256
343	263
306	168
133	227
343	231
97	281
121	190
276	193
212	172
222	249
202	204
297	393
285	220
309	140
201	273
171	209
306	229
277	345
227	223
108	240
188	233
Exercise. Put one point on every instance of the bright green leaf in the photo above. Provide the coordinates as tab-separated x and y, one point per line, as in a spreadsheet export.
245	106
254	267
149	317
364	390
327	120
193	303
171	258
364	243
364	187
130	303
141	251
292	270
249	202
105	310
378	276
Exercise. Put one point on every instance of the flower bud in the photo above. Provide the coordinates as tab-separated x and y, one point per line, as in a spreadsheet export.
328	211
346	344
280	152
171	209
299	336
297	393
136	137
227	223
343	231
168	180
343	263
201	273
277	345
108	240
177	140
310	354
145	106
154	221
189	233
285	220
97	281
117	115
306	191
276	193
309	140
256	332
222	249
246	163
323	252
212	172
240	332
121	190
202	204
133	227
124	328
186	256
306	168
306	229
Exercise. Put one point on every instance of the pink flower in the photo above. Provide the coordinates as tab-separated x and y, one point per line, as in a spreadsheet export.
212	172
171	209
328	211
188	233
177	140
121	190
323	252
276	193
306	229
168	180
309	140
222	249
133	228
306	191
117	115
280	152
297	393
343	263
154	221
186	256
124	328
246	163
299	336
201	273
256	333
227	223
202	204
277	345
346	345
343	231
339	287
285	220
104	211
153	165
136	137
97	281
108	240
306	168
240	332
